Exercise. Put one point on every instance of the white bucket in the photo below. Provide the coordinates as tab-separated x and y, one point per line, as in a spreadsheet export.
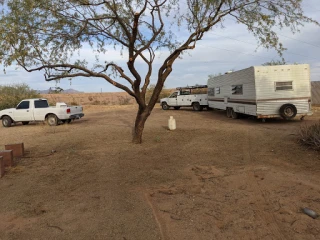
172	123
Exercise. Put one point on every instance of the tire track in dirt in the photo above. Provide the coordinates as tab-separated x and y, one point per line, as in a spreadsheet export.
162	226
260	191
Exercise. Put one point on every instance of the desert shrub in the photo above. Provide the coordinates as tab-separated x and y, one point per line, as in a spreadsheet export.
73	103
105	102
199	91
124	100
11	95
310	135
90	98
96	102
164	93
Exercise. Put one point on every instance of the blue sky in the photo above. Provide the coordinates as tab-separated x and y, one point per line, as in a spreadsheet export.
230	48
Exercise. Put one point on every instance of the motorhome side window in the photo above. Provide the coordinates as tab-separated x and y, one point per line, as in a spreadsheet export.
237	90
23	105
211	91
283	86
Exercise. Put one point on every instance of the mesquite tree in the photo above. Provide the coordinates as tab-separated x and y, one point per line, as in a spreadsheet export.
46	35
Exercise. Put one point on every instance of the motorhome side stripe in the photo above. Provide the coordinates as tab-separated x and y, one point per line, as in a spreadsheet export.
254	102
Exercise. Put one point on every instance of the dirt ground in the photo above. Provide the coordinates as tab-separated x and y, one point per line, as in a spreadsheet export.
211	178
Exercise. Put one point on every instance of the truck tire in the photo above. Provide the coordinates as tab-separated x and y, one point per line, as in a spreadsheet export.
7	121
288	111
52	120
25	123
234	114
165	106
196	106
176	108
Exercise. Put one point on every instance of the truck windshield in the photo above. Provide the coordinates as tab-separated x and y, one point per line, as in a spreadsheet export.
41	104
23	105
173	95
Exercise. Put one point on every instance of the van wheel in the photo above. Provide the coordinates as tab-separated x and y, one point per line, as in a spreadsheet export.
197	107
52	120
288	111
6	121
234	114
165	106
229	113
25	123
176	108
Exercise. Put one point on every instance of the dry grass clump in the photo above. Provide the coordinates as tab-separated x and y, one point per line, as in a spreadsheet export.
310	135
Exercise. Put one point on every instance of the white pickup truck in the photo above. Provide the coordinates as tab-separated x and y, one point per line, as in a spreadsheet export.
184	97
34	110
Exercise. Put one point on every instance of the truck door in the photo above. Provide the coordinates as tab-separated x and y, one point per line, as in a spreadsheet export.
40	109
172	100
184	99
23	112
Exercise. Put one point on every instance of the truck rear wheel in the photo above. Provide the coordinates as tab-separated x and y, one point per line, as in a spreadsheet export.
197	107
288	111
6	121
52	120
165	106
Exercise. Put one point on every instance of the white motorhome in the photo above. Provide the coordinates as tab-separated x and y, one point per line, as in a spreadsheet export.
263	91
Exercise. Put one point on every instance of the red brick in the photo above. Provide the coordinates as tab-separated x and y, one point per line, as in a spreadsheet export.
1	167
7	157
17	148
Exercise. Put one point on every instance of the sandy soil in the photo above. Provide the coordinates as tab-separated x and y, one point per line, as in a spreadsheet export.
212	178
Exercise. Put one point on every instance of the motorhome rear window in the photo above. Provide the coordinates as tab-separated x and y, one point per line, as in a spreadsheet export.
284	86
237	90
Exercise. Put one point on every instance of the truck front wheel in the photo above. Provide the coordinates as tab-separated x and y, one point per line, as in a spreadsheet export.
197	107
6	121
165	106
52	120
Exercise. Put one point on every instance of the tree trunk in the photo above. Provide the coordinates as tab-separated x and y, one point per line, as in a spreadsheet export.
141	119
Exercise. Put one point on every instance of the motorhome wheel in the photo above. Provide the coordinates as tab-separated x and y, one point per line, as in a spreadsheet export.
288	111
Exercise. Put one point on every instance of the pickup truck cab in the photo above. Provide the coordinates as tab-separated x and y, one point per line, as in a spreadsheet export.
184	97
34	110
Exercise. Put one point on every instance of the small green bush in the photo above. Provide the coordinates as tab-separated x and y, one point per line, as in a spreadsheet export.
11	95
310	135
